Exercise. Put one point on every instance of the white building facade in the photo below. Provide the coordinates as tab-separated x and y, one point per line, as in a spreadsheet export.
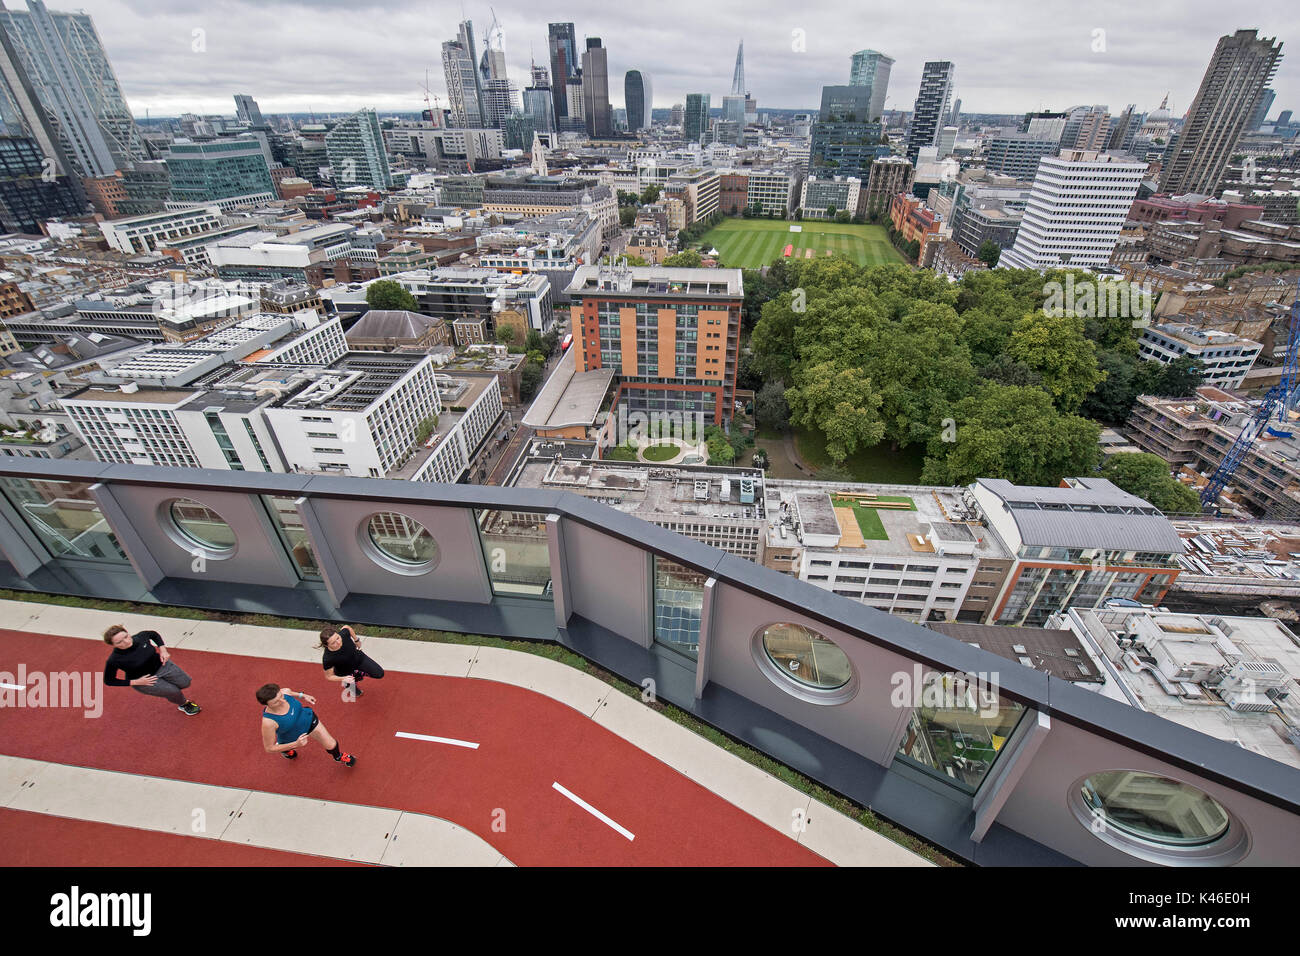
1076	209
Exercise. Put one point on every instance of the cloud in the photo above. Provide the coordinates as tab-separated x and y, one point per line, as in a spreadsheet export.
335	55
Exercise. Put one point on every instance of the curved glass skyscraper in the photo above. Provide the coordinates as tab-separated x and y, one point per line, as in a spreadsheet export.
638	99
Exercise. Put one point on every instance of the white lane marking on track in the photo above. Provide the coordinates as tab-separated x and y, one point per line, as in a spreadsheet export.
438	740
593	811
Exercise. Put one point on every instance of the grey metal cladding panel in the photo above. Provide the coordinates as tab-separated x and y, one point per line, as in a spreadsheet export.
1242	769
878	627
1081	529
52	469
267	482
433	493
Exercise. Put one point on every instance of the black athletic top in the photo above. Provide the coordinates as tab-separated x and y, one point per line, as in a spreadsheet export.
141	660
346	659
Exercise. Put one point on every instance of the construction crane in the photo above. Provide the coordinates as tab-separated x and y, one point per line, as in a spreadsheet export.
1278	399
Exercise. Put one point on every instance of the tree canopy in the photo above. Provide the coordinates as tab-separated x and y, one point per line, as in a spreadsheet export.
1148	477
388	294
976	372
686	259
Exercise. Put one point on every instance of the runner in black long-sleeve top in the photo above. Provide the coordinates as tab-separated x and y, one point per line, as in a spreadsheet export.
343	660
147	667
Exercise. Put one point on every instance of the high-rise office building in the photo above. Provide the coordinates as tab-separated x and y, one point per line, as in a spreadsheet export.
356	152
1226	101
733	113
464	85
28	198
21	112
929	114
1017	154
576	121
499	94
695	119
248	112
1086	127
1123	130
738	74
1044	126
218	169
539	105
871	69
595	89
1076	209
845	104
638	99
677	115
563	46
1261	114
74	82
845	149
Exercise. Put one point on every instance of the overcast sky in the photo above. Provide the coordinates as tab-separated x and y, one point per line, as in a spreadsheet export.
175	56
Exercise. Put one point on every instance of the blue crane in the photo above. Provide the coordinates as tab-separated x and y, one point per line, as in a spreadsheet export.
1277	400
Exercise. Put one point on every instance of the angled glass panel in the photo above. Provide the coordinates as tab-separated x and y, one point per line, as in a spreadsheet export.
65	518
516	552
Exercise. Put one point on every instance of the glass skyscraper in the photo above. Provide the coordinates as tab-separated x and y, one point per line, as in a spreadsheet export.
464	87
221	169
563	46
696	120
75	85
870	68
356	152
637	98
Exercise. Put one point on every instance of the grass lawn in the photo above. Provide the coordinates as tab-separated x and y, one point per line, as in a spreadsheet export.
877	464
660	452
873	529
750	243
620	453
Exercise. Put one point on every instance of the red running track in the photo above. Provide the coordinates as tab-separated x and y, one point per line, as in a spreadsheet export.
527	742
35	839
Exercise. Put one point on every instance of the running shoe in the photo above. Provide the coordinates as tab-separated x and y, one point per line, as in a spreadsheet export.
189	708
289	754
346	759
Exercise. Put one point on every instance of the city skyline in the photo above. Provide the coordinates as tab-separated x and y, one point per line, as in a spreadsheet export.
1043	65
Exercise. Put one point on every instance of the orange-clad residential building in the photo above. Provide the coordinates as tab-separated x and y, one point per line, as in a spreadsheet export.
672	336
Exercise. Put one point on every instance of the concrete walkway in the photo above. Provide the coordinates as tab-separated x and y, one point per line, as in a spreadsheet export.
388	836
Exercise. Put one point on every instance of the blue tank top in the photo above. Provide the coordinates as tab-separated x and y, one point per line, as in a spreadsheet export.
292	725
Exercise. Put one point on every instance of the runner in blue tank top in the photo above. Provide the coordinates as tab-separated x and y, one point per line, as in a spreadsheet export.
288	721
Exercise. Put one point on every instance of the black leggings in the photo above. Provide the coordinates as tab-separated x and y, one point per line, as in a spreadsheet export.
368	668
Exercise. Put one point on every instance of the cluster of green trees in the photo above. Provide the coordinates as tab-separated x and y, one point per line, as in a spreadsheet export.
975	372
911	248
1240	271
724	450
756	212
387	294
686	259
1147	476
989	253
696	230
